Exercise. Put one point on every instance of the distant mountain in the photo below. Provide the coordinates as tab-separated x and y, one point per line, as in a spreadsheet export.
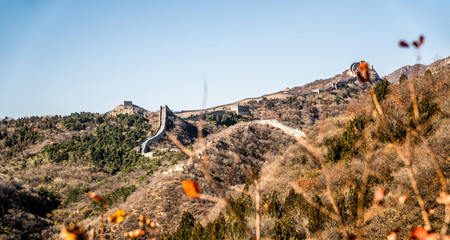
409	70
302	106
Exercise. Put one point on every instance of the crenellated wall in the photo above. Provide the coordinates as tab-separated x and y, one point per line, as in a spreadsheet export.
164	112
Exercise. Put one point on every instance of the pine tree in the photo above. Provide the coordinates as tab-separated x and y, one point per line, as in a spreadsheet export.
381	89
185	227
198	233
403	78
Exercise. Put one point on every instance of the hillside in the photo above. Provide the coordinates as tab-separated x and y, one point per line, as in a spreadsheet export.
363	185
52	162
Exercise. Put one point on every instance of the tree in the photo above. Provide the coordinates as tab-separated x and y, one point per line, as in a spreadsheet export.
198	233
316	219
185	227
381	89
428	75
217	228
284	229
403	78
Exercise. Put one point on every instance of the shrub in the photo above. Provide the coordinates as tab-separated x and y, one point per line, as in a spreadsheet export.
403	78
294	201
274	205
348	206
226	119
55	152
73	196
284	229
78	121
46	194
398	132
427	109
243	207
316	219
216	229
198	233
381	89
342	147
120	194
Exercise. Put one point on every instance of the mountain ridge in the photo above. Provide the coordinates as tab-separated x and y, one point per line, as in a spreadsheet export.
322	84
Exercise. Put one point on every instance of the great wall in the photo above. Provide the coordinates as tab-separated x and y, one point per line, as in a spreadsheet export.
165	112
240	108
229	107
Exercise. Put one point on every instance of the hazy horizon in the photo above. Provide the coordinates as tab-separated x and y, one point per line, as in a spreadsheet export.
59	57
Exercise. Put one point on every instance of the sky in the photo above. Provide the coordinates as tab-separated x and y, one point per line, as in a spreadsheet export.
65	56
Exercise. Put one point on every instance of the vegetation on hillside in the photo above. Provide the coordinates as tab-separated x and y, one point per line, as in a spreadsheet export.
19	134
109	148
381	171
226	119
379	177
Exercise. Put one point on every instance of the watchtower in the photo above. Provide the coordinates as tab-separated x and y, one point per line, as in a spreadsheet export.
128	104
241	109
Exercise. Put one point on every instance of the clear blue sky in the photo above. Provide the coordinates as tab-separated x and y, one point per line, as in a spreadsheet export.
58	57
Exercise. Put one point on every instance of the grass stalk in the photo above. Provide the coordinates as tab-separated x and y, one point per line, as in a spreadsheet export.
258	211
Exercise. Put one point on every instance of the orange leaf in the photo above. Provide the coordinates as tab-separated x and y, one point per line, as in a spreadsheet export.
362	73
416	44
152	224
191	188
134	234
392	236
117	216
443	198
74	232
96	197
402	199
363	66
266	207
422	234
378	195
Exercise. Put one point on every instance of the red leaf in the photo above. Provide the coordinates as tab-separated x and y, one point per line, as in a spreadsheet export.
421	39
403	44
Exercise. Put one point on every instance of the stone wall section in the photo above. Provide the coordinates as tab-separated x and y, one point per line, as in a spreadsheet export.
164	112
